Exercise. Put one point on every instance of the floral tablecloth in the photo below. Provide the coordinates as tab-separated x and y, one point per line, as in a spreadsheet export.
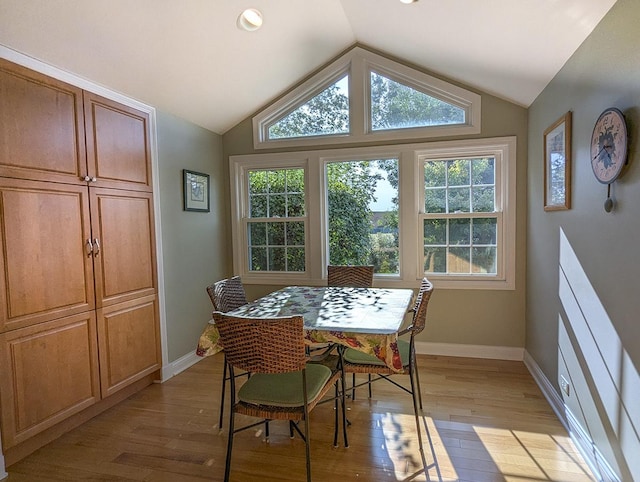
367	319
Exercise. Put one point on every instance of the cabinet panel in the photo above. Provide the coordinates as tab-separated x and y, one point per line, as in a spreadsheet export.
49	372
128	338
41	127
117	144
123	224
45	272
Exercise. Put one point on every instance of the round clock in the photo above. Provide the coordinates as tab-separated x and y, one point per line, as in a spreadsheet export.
609	145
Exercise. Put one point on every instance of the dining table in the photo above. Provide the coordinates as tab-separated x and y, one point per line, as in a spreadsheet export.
366	319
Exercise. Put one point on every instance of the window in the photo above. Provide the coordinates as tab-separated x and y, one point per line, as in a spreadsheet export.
326	113
398	106
364	97
441	209
460	221
275	225
362	203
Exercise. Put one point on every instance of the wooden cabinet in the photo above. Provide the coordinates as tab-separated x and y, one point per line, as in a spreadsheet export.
49	372
78	279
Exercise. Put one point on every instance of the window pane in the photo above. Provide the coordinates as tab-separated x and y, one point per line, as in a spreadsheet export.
295	259
435	231
483	171
258	259
295	234
435	174
257	182
363	213
459	200
295	205
485	231
435	200
458	260
326	113
397	106
275	232
257	234
277	259
459	172
484	199
484	260
459	231
435	260
258	208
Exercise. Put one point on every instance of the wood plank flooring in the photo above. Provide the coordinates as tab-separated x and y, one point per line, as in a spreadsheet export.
484	421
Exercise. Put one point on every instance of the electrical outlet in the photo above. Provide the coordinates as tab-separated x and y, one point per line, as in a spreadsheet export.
564	385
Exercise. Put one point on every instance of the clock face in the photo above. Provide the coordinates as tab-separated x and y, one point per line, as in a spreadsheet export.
609	146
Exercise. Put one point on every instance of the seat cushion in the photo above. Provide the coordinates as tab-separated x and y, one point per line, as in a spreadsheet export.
360	358
284	389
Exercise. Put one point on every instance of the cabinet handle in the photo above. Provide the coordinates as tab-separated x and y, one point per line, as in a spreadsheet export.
97	246
90	179
89	248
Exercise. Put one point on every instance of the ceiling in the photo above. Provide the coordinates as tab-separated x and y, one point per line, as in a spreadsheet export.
188	58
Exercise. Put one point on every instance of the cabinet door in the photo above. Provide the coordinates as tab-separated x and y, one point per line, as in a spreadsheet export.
41	127
45	271
118	147
123	231
129	343
43	380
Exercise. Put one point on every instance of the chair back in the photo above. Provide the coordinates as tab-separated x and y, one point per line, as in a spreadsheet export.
349	275
262	345
420	309
227	294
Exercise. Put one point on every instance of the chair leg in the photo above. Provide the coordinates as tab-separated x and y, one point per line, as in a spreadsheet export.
224	384
369	375
335	418
415	407
418	384
227	467
353	385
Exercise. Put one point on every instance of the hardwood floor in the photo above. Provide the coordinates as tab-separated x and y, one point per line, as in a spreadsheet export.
484	421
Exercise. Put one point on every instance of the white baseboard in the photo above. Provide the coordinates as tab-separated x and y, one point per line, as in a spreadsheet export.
470	351
581	438
180	365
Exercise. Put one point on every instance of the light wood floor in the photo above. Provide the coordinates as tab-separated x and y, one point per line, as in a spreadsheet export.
484	421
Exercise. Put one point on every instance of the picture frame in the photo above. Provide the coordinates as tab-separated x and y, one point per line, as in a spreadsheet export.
196	191
557	165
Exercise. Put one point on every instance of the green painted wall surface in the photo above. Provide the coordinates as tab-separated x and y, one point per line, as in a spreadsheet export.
472	317
196	249
583	300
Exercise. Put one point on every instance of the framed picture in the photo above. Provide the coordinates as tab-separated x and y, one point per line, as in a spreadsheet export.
196	191
557	165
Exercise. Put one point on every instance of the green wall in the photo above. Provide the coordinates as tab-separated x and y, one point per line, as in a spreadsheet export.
583	303
196	248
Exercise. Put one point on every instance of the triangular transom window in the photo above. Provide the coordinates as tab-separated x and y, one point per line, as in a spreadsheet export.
398	106
364	97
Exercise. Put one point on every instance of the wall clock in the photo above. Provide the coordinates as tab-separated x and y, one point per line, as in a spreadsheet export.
609	144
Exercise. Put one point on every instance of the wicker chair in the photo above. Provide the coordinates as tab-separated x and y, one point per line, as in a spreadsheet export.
359	362
283	386
226	295
355	276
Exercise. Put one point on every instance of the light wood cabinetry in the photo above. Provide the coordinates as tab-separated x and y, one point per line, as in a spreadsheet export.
78	280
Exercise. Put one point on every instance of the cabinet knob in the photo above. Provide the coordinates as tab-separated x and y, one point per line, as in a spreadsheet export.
90	179
87	178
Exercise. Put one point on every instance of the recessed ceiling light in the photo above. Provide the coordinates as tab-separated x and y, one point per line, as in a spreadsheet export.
250	20
408	1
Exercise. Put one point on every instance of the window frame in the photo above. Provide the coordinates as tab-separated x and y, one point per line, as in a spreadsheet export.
411	204
358	63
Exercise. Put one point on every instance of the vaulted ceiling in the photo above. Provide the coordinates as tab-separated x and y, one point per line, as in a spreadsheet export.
188	57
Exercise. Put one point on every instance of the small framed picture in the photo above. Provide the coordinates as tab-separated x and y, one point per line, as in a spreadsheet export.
557	165
196	191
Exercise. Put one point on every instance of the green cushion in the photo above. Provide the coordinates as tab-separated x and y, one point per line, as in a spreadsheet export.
284	389
360	358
